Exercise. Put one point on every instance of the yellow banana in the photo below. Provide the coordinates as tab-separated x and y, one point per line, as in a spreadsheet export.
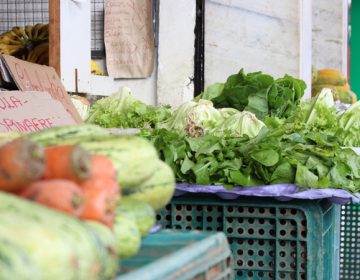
11	35
10	49
4	39
20	32
43	32
36	53
28	31
35	30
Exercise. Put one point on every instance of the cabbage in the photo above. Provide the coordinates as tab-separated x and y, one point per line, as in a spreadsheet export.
227	112
194	118
240	124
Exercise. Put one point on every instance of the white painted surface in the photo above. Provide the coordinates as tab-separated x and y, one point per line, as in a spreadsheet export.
143	89
255	35
329	38
345	37
176	52
305	55
75	41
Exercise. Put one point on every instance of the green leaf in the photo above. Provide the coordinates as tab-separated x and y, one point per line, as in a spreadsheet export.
267	157
202	174
284	173
187	165
241	179
305	178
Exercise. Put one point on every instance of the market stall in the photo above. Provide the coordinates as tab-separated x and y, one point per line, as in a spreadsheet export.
224	145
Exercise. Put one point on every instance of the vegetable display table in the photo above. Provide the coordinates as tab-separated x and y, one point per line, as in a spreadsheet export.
177	255
269	239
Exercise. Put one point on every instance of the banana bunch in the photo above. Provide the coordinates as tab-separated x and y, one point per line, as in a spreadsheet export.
30	43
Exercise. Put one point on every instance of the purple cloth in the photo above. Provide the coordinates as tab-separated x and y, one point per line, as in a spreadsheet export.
155	229
283	192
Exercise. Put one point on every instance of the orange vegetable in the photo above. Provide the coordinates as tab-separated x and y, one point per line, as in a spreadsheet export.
102	167
21	162
69	162
60	194
101	198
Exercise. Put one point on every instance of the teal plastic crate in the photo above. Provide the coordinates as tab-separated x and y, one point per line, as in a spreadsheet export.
269	239
178	255
350	242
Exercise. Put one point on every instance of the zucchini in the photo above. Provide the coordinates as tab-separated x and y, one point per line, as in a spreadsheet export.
143	214
56	135
158	189
15	262
128	237
61	246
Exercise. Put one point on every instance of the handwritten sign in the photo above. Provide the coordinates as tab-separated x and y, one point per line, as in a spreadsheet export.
33	77
129	38
31	111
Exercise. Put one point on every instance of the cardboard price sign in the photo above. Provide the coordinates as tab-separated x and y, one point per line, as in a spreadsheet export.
33	77
31	111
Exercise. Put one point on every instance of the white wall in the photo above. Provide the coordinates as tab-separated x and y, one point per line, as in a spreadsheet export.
256	35
176	52
329	34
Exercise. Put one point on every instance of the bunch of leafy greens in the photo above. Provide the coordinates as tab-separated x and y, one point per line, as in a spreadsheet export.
278	155
319	115
257	93
239	124
122	110
194	118
198	118
349	126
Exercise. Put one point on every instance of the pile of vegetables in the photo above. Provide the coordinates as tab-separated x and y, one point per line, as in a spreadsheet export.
63	177
255	130
305	149
100	192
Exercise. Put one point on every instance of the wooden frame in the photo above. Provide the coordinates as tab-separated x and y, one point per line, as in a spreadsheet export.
54	35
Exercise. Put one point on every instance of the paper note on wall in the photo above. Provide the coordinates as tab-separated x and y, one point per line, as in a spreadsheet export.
129	38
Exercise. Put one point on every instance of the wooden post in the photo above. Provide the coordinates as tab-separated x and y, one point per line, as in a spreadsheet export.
54	35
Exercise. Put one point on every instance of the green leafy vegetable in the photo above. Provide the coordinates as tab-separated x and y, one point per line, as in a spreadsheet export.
194	118
277	155
349	126
258	93
211	92
122	110
239	124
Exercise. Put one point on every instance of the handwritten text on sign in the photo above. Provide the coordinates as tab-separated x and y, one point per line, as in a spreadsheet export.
129	38
33	77
31	111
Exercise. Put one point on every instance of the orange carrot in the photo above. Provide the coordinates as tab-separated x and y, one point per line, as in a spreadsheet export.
101	198
60	194
69	162
21	162
102	167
